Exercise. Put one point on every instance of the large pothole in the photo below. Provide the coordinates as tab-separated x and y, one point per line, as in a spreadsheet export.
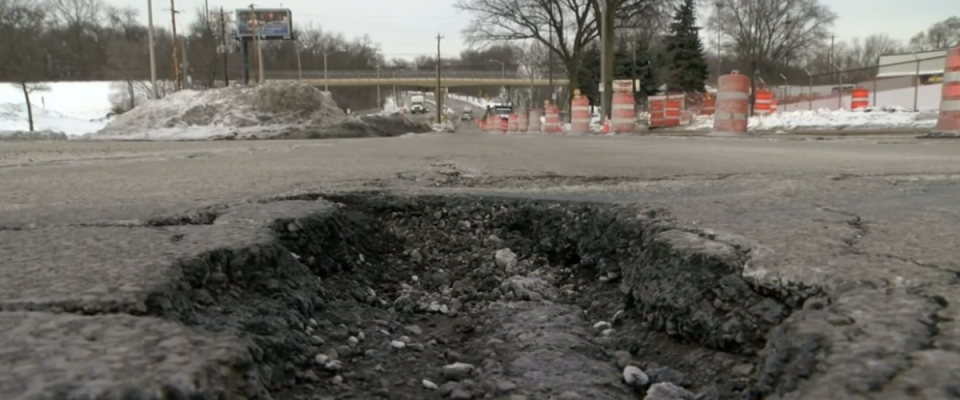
396	297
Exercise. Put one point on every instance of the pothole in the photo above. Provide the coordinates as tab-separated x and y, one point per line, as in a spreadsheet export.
471	298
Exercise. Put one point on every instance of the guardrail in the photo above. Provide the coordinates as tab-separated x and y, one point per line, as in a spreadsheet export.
404	74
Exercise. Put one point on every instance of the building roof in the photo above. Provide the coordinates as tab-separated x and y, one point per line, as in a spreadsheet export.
905	64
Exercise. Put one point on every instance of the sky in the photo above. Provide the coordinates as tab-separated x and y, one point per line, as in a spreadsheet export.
406	29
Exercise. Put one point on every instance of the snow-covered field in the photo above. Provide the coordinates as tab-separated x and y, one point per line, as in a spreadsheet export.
74	108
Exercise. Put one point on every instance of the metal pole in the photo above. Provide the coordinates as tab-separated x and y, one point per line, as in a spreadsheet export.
603	60
719	34
839	88
153	57
786	87
439	98
875	83
550	51
186	64
176	50
326	79
809	91
263	77
296	45
223	42
379	99
916	84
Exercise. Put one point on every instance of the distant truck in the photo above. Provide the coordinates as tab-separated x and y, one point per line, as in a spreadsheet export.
417	105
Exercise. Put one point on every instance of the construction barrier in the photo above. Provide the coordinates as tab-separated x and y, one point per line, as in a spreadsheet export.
709	105
860	98
552	121
761	105
504	124
580	114
512	123
624	115
492	124
673	110
658	105
773	105
522	121
534	121
948	125
733	104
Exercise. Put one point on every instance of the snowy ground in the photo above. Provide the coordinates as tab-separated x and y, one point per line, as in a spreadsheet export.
824	119
74	108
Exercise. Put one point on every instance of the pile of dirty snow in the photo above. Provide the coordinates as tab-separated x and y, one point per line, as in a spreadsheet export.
825	119
233	112
35	135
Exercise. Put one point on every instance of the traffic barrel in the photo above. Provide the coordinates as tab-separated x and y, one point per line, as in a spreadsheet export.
673	110
860	98
658	113
552	120
709	105
580	114
492	124
948	124
624	115
733	104
534	121
762	102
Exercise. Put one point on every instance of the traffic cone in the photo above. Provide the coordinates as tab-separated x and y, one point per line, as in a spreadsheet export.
606	127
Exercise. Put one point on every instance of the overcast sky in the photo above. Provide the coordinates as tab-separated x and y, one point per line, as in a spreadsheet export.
407	28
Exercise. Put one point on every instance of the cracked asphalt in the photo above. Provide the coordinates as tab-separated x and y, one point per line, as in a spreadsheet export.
869	223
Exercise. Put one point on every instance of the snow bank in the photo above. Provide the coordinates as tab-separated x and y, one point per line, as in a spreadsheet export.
13	118
927	98
824	119
234	112
35	135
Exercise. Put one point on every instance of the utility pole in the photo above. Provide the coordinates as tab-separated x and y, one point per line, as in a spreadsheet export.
604	49
256	43
223	42
177	78
186	64
439	95
719	38
153	56
549	50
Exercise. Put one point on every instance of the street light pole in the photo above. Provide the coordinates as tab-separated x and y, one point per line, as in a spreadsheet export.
326	79
503	68
719	35
153	57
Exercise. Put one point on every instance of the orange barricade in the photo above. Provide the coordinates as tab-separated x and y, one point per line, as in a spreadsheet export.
773	106
624	115
860	98
504	124
658	105
733	104
580	115
534	121
761	105
522	121
512	123
552	122
948	125
709	105
492	124
674	108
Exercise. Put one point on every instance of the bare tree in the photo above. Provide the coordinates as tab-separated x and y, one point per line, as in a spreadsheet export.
767	35
80	20
942	34
21	54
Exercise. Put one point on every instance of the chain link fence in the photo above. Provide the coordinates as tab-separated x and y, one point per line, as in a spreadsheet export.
913	85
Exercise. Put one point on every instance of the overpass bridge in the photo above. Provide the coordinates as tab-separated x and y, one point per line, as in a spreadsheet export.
422	78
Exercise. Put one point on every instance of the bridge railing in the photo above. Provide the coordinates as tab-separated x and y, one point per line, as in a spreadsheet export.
387	74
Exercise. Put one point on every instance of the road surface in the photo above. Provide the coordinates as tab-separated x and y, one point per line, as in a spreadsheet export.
869	224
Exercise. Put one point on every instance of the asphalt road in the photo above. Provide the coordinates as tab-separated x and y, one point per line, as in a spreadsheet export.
870	222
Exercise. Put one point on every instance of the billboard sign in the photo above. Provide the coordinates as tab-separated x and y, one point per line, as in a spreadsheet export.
270	24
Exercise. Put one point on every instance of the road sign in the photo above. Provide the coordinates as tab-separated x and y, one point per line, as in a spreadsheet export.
271	23
623	85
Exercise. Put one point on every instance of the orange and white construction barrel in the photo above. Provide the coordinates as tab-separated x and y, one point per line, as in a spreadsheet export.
522	121
860	98
658	112
948	124
761	105
624	113
673	110
551	123
580	114
733	105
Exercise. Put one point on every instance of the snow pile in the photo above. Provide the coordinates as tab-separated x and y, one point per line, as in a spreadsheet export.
35	135
234	112
824	119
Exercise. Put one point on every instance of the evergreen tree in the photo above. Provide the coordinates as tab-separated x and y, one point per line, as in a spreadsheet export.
687	64
589	76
